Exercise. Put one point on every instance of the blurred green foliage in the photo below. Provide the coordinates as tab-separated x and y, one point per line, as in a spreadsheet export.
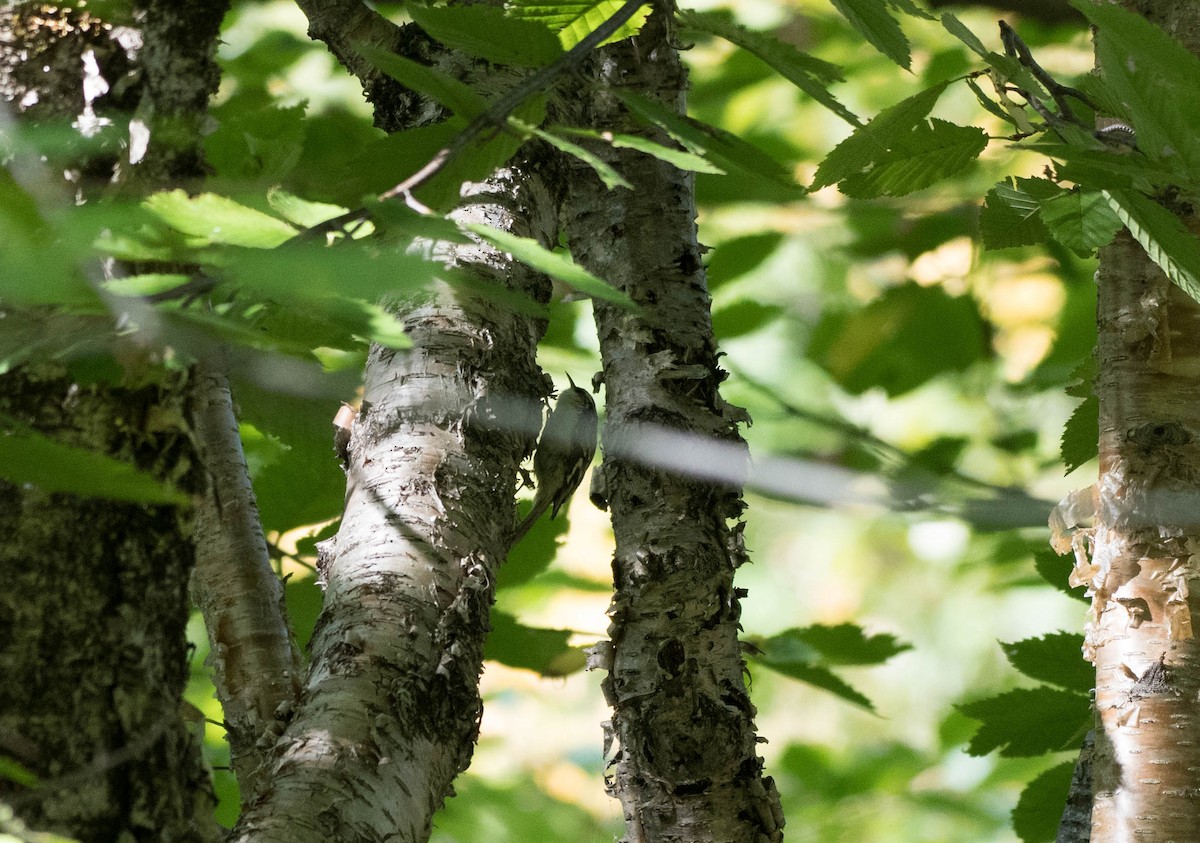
906	297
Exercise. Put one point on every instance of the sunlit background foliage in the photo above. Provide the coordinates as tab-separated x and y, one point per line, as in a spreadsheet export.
871	334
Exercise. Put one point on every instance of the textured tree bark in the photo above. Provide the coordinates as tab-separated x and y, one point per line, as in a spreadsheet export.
255	664
1142	567
94	609
92	622
390	708
687	768
1141	633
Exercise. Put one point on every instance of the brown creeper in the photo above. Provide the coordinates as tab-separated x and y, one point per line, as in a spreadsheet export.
564	452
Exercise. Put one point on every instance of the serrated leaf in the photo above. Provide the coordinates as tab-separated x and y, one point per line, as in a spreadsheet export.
543	650
210	219
809	74
574	20
445	89
1011	214
556	265
843	644
1162	234
28	457
1082	221
928	153
1055	658
1039	810
872	141
680	158
730	153
875	23
488	33
1081	435
1028	722
1156	77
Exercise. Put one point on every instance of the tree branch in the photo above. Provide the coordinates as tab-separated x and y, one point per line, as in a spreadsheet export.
254	662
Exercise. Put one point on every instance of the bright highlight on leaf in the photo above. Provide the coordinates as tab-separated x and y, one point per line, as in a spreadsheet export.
213	219
574	19
488	33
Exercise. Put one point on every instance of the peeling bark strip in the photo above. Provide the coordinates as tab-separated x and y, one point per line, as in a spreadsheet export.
1144	561
687	768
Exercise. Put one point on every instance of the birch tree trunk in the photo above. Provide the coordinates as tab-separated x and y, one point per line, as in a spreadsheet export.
94	604
687	768
390	709
1146	538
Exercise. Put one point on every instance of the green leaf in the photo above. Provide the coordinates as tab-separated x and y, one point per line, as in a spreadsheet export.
387	161
301	211
820	677
1081	434
743	317
209	218
543	650
809	74
1055	658
13	771
1162	234
731	259
312	271
680	158
960	31
574	20
922	157
1056	570
261	449
488	33
264	143
1011	214
900	341
873	21
1024	723
445	89
147	284
730	153
556	265
1039	810
1157	78
302	426
29	457
871	142
1082	221
843	644
607	174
